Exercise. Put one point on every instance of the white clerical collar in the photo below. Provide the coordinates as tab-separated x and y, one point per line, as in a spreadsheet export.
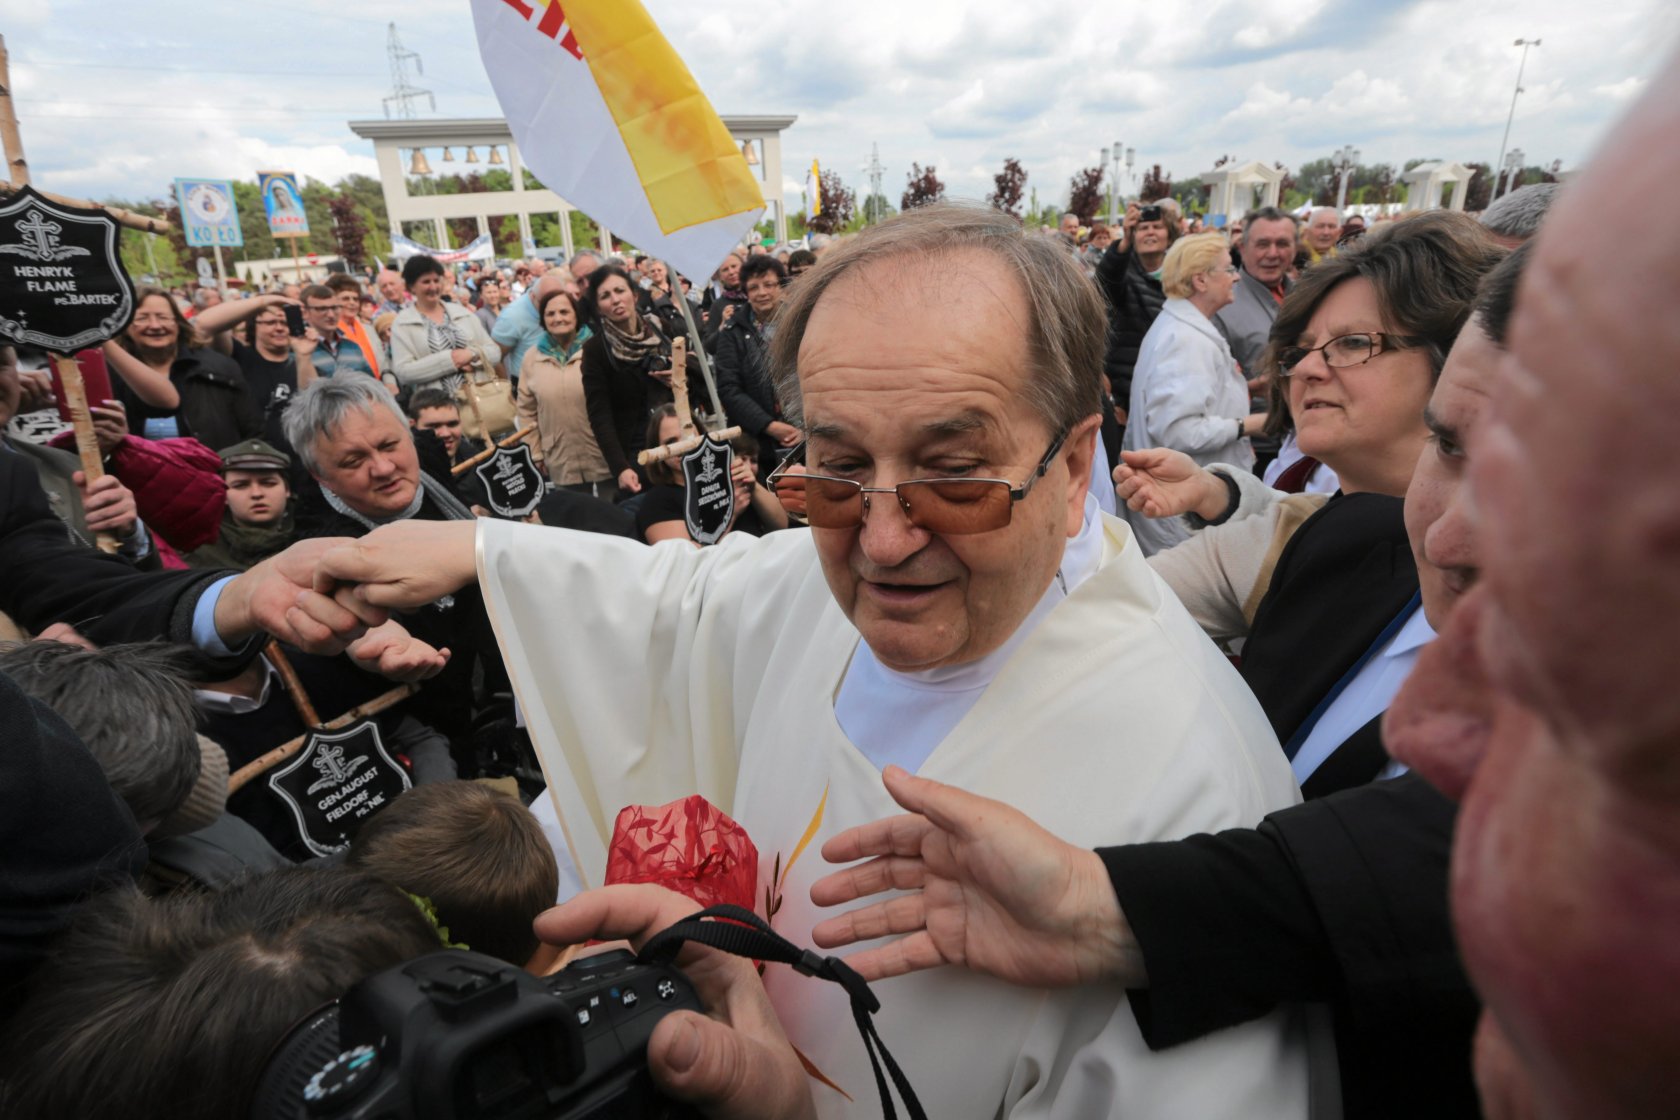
1080	560
232	703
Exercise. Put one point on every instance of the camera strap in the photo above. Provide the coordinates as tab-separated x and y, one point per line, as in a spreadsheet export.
741	933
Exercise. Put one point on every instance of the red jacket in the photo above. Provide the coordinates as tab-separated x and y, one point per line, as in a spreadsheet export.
177	484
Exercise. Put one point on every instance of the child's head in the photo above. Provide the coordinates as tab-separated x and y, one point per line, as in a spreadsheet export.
477	854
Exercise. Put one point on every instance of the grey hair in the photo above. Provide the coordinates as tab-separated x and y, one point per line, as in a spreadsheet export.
586	255
1518	214
1268	214
1066	321
1317	210
129	705
201	297
1066	214
319	410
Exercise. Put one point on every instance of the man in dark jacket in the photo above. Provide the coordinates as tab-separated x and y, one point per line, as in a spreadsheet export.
366	471
743	377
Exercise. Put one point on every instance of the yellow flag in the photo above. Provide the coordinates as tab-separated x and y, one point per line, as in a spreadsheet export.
606	114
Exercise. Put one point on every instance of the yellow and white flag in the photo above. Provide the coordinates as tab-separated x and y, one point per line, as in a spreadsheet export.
813	190
606	114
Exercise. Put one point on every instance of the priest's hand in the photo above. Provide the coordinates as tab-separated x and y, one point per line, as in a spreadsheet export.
733	1063
989	890
391	651
400	566
1158	482
276	596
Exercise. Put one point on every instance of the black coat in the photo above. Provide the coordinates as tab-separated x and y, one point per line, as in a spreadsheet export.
1343	577
449	701
743	375
47	577
64	833
1339	900
216	406
713	321
620	399
1134	299
1342	900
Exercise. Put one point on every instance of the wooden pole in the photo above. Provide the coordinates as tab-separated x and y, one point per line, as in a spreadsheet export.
294	687
87	444
125	218
684	446
264	763
467	464
297	263
679	393
221	276
17	167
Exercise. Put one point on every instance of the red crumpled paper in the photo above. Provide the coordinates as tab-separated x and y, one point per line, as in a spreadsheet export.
688	846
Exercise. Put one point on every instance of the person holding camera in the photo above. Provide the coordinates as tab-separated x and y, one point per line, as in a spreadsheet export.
1129	276
627	370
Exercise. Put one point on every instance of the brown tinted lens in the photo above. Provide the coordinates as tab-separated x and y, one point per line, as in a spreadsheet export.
957	505
830	503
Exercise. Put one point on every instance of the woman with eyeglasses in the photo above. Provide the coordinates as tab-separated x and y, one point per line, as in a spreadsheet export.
1356	349
1187	392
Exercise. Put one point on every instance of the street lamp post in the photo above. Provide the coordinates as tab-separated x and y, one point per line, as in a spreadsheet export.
1506	139
1116	153
1513	166
1104	166
1131	154
1346	160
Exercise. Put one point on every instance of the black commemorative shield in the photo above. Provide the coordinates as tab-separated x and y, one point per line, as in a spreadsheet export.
338	780
64	287
512	481
708	492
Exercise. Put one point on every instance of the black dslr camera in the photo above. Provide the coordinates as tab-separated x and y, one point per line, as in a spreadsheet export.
659	360
458	1035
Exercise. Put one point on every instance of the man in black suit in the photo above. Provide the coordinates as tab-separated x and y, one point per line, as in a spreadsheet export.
1339	900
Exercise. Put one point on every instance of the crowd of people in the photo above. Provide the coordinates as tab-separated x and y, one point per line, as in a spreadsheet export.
1194	672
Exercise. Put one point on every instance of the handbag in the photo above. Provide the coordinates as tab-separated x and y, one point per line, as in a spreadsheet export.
489	401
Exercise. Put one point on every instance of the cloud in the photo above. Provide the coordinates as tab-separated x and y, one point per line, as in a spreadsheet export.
1623	90
119	100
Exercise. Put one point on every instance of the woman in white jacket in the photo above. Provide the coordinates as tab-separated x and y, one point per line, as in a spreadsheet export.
1187	392
434	342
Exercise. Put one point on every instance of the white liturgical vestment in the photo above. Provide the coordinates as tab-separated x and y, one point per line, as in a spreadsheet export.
647	674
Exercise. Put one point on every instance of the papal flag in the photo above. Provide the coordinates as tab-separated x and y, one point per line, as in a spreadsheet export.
813	189
608	117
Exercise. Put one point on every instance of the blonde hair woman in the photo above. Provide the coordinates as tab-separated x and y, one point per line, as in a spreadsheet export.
1187	392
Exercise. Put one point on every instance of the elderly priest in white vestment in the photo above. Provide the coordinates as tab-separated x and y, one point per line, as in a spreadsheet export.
959	607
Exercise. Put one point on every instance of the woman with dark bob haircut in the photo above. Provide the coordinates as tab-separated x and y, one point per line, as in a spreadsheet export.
1354	354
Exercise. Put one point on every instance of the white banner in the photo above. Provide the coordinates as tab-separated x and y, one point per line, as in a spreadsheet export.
608	117
479	248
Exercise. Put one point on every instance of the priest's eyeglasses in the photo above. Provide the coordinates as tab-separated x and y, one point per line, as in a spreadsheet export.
1346	350
951	506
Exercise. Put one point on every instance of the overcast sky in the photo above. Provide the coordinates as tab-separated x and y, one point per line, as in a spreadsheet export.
119	99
